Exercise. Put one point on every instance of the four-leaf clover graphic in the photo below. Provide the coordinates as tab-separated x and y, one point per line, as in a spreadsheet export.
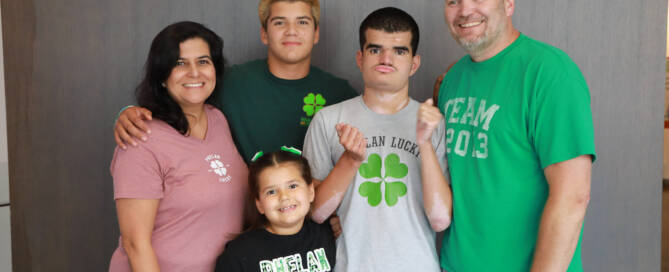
313	103
372	170
218	167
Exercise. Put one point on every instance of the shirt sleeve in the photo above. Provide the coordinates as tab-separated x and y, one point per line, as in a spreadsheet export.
439	144
228	262
317	149
560	119
136	173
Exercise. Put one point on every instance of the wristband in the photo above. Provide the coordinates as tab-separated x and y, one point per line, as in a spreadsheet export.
122	109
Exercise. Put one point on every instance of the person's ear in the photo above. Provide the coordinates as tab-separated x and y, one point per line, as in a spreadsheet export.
509	6
317	35
261	210
263	36
415	64
312	193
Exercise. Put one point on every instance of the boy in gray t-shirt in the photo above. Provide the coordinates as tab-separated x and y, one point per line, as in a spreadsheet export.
376	156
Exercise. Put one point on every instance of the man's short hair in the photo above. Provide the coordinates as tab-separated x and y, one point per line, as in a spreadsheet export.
264	10
390	19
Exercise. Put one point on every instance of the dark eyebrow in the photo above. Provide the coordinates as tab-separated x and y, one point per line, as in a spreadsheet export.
373	45
200	57
401	48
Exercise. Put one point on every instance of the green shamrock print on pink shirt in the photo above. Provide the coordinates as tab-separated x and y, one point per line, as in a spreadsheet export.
372	170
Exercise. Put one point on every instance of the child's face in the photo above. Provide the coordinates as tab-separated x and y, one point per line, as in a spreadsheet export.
284	198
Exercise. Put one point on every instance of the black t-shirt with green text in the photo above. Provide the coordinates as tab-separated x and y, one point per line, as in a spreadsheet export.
311	249
266	112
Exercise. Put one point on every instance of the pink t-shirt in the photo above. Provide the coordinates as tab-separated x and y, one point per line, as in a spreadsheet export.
201	185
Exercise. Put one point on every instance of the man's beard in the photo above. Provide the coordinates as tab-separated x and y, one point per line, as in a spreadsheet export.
484	41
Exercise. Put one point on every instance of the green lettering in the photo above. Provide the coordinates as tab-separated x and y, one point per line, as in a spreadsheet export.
312	262
280	265
323	259
291	262
266	266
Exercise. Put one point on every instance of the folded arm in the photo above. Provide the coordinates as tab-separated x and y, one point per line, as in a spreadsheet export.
437	197
330	191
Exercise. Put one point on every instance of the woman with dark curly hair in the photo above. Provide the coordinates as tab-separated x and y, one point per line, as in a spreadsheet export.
180	195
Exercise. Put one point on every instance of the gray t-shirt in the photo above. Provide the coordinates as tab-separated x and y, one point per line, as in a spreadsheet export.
384	223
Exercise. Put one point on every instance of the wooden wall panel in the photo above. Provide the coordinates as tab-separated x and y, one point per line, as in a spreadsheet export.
71	65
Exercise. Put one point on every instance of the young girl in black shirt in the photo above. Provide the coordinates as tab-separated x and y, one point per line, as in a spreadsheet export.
280	237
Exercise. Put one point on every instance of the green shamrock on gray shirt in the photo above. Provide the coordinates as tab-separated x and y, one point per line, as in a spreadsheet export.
372	170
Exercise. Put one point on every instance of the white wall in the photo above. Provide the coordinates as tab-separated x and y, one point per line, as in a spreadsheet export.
5	234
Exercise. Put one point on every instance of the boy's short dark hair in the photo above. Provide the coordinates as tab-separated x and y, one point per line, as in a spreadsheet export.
390	19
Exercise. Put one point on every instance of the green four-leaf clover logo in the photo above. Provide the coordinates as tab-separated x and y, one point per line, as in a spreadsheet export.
372	170
313	103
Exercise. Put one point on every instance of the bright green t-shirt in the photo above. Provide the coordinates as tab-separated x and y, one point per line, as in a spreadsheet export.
507	118
266	112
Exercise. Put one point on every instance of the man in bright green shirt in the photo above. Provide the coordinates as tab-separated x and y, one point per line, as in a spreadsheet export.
268	102
520	146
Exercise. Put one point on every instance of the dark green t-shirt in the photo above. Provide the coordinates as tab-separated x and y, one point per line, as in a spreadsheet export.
507	118
266	112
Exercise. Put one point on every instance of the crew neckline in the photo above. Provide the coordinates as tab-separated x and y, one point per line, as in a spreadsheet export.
403	111
297	235
282	81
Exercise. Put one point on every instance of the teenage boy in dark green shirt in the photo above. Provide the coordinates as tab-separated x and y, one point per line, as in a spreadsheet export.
268	102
